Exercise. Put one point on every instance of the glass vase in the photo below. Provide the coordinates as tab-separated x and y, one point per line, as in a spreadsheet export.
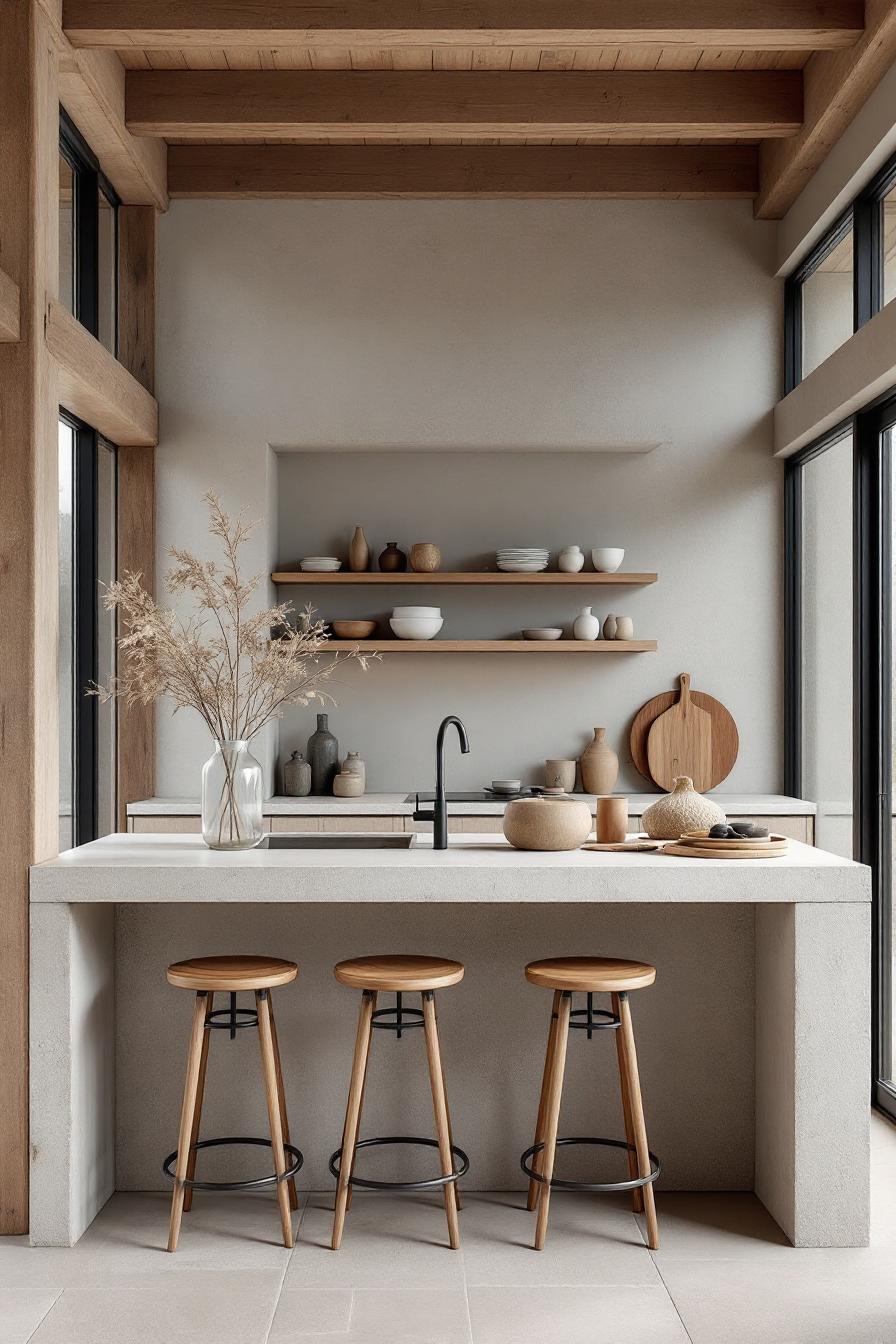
232	797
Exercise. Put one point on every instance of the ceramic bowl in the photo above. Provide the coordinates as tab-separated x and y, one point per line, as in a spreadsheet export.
607	559
506	785
416	611
543	632
353	629
416	627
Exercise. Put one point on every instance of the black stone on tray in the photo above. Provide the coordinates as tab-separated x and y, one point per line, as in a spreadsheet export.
719	831
748	830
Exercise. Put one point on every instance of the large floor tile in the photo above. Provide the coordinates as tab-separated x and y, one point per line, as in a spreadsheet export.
395	1241
805	1297
574	1316
310	1311
21	1312
592	1240
716	1227
207	1309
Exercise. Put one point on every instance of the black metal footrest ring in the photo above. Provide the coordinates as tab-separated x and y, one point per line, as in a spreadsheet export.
595	1019
227	1019
434	1184
288	1148
397	1020
604	1186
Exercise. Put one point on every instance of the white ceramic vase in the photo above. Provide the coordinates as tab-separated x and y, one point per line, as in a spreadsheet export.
586	625
571	559
625	627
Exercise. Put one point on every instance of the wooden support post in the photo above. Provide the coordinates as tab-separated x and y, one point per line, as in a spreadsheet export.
29	784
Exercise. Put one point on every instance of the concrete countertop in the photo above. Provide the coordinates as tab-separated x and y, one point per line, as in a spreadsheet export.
395	804
179	868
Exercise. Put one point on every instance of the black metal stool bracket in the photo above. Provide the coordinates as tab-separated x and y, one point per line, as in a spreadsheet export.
293	1152
605	1187
397	1019
436	1183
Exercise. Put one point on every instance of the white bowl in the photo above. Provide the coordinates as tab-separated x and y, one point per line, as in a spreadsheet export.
417	611
543	632
506	785
607	559
416	627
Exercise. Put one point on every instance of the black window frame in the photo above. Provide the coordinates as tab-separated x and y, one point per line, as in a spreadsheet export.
88	181
864	215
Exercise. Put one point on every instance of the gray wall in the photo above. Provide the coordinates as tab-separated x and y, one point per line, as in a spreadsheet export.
483	327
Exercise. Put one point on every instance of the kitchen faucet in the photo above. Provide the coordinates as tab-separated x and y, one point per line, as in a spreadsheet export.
439	813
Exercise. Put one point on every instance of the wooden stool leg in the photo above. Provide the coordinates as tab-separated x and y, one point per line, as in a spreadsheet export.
535	1186
281	1093
348	1202
191	1084
197	1109
457	1198
637	1110
552	1114
269	1069
637	1195
353	1113
440	1110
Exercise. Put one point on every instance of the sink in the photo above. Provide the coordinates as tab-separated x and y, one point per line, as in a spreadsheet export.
337	840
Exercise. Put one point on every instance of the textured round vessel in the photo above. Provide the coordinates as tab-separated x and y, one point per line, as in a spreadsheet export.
684	809
547	823
425	557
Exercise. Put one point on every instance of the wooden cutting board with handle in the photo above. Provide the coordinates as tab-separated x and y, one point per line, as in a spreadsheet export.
680	742
724	744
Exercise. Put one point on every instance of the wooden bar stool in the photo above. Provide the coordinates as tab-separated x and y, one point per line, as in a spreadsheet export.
208	975
397	974
591	975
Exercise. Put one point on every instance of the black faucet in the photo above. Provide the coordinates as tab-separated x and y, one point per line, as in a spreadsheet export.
439	813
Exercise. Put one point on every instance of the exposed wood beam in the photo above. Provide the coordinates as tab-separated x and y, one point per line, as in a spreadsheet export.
272	104
753	24
836	86
9	308
136	292
95	387
693	171
29	524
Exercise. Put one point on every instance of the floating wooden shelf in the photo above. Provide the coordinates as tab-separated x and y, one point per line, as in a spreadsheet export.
346	578
495	645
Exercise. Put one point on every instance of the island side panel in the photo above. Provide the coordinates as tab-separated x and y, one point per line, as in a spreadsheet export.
72	1028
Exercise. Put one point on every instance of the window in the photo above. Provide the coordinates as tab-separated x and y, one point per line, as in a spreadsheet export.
88	238
87	549
827	303
888	225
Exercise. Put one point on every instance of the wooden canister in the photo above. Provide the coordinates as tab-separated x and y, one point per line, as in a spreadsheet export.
612	820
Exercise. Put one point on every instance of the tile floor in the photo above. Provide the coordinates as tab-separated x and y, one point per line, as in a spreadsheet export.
724	1275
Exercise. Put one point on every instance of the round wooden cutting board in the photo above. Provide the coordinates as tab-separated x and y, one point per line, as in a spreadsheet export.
725	740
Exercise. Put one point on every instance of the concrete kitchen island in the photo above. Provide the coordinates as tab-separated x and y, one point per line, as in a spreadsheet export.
754	1053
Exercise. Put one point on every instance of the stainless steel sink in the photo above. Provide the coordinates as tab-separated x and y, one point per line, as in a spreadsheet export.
337	840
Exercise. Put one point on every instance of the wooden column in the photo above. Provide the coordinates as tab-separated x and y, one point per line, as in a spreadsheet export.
29	784
136	479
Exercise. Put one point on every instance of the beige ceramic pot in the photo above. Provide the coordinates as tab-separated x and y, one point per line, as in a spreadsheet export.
684	809
425	557
547	823
348	785
599	764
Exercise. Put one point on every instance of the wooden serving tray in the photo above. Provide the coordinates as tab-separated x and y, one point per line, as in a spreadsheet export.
707	841
625	846
693	851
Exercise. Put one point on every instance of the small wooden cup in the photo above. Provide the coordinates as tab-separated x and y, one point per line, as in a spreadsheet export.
612	820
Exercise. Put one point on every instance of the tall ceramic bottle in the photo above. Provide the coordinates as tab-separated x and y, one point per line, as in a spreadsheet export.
323	756
358	552
599	764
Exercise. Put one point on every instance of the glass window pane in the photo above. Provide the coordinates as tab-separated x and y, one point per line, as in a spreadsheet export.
828	306
827	640
66	632
888	206
106	569
66	234
107	267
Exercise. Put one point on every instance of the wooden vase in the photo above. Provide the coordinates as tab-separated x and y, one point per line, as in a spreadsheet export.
358	552
599	765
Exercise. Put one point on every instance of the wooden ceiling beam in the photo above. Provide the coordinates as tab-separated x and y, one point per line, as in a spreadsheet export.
836	86
752	24
521	172
278	104
95	387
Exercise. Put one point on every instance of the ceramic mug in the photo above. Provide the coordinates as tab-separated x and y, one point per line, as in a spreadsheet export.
612	820
560	775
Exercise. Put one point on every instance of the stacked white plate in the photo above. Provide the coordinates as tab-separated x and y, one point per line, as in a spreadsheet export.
523	559
320	564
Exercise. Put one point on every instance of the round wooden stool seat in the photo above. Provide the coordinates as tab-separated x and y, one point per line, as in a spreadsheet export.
597	975
231	973
398	972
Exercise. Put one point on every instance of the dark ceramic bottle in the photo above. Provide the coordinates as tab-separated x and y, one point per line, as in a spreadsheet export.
323	757
392	560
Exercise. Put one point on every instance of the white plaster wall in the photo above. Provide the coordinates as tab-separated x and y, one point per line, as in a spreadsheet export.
479	326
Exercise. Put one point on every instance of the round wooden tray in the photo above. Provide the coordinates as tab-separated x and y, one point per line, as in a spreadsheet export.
693	851
707	841
624	846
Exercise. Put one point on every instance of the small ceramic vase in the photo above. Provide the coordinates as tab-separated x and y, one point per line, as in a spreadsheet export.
571	559
297	776
625	627
547	823
347	786
323	755
392	560
612	820
353	765
684	809
425	557
560	775
599	764
358	552
610	627
586	625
